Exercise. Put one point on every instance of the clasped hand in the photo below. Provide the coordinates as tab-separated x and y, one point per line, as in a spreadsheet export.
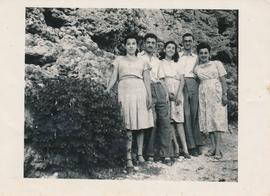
173	97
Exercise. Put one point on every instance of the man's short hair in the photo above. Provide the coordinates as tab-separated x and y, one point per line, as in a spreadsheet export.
150	35
187	35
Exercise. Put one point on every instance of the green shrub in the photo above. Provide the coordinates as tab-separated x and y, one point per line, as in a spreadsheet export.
75	125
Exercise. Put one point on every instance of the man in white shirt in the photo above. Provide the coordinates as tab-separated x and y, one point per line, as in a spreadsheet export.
160	103
191	99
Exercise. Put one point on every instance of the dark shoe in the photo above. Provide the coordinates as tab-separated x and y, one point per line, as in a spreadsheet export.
130	168
199	151
194	152
167	161
186	155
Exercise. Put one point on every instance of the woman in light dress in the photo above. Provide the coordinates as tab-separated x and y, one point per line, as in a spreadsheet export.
134	96
172	74
212	98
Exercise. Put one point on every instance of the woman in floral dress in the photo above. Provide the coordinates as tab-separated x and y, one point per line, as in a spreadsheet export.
134	95
212	98
172	74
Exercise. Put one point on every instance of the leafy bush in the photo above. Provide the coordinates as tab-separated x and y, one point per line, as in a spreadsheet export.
232	81
75	125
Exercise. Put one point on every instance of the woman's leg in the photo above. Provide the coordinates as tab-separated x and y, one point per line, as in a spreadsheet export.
129	146
181	132
212	151
140	137
213	142
217	135
174	141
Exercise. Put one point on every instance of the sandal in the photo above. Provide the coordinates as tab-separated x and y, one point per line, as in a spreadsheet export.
186	155
210	153
130	167
141	160
219	156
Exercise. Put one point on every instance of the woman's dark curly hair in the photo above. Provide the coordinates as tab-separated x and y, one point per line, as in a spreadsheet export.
175	57
203	45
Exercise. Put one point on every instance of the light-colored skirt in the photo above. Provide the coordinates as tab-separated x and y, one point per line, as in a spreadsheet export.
176	111
132	98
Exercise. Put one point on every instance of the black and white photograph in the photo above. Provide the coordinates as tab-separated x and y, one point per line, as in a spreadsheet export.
134	98
131	94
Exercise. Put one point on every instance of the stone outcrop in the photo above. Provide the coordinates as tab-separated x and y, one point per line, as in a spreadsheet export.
83	42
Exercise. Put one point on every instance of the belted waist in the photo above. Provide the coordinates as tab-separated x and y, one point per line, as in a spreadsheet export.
156	82
209	80
130	76
171	77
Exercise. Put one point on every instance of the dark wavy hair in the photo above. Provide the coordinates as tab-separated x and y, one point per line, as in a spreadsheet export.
203	45
187	35
150	35
175	57
131	36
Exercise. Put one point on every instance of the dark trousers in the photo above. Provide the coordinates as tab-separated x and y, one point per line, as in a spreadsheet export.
162	126
191	105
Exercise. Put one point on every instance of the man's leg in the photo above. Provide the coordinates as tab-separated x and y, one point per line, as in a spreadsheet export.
164	129
151	143
153	132
188	119
194	106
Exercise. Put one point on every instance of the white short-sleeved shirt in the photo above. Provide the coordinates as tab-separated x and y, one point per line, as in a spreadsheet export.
170	69
188	62
153	63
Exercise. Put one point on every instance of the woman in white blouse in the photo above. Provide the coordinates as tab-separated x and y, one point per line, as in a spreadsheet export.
173	77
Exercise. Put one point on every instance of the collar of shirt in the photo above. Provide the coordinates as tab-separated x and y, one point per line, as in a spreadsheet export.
144	54
153	63
184	53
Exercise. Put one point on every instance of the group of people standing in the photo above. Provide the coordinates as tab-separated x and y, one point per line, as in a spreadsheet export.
168	95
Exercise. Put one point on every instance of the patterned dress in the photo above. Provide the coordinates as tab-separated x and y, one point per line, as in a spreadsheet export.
132	93
171	72
212	114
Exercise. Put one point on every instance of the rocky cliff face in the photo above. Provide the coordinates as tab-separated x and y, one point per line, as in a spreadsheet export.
83	42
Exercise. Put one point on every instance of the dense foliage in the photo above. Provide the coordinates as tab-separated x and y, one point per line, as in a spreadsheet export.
75	124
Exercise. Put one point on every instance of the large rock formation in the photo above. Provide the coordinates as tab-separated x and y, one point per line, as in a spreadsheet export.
53	33
83	42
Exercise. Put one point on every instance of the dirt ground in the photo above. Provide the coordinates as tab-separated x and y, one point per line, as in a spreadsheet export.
200	168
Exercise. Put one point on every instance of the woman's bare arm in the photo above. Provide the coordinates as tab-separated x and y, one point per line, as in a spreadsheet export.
113	78
224	90
147	82
180	89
